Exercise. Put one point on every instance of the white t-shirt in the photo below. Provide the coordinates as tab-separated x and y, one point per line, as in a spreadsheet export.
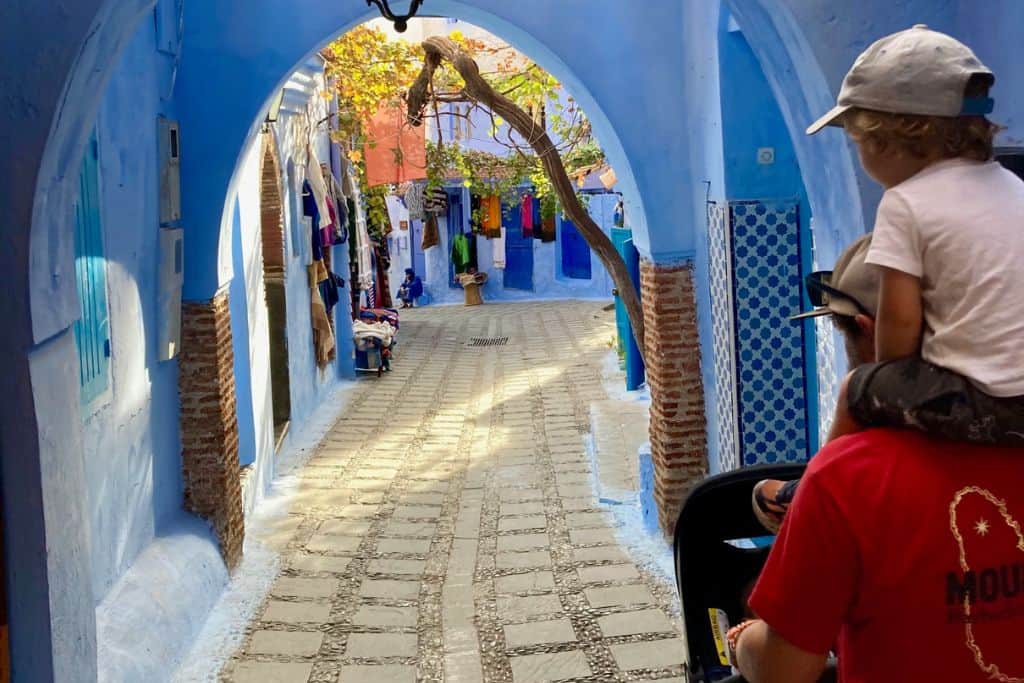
959	226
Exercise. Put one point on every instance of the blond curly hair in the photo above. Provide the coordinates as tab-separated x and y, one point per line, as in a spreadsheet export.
970	137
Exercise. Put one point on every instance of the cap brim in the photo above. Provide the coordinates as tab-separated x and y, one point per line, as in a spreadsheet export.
816	313
832	118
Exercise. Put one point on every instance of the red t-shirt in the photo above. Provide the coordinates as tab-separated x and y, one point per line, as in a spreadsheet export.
908	554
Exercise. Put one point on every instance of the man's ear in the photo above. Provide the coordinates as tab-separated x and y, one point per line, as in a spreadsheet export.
866	324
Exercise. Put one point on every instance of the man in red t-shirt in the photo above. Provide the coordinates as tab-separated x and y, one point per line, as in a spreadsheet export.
903	553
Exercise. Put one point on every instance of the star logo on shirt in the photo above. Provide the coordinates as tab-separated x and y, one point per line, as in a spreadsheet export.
981	526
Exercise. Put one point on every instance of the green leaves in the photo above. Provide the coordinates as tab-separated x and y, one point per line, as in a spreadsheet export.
368	71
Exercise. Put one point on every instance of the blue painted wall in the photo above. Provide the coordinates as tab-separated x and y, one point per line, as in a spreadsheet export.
993	30
751	121
548	280
58	58
130	439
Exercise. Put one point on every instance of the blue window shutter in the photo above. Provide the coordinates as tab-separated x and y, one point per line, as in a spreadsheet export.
92	330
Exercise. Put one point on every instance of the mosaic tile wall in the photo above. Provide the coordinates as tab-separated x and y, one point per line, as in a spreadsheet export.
759	360
722	332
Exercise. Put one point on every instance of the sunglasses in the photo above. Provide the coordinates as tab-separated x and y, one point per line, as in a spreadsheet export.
820	291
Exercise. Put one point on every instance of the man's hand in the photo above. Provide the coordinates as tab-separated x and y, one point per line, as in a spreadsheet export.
763	656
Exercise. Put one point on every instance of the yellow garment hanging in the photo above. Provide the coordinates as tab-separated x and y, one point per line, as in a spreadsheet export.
490	215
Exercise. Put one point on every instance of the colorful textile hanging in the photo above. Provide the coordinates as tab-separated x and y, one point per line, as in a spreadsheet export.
435	201
526	213
490	216
431	233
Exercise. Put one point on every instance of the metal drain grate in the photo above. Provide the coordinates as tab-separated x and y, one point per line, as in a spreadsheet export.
491	341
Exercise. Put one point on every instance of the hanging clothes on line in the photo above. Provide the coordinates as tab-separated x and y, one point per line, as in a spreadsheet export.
311	210
414	201
490	219
361	249
435	201
338	201
498	247
431	233
526	215
315	178
464	253
382	261
398	214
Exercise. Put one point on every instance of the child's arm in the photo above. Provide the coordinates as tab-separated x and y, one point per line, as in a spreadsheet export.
900	316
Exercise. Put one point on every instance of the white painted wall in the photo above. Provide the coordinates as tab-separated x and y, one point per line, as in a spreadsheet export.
259	333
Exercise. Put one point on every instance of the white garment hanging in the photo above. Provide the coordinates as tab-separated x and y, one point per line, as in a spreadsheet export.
498	246
397	212
316	182
362	235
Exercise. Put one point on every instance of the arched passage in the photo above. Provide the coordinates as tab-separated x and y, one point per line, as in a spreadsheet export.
225	84
236	54
237	58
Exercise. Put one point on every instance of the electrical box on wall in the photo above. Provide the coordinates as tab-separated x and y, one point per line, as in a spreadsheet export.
170	170
172	277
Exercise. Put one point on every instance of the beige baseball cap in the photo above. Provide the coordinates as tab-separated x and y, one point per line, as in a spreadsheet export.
850	288
917	71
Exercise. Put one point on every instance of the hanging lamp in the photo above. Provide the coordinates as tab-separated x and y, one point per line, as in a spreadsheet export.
401	21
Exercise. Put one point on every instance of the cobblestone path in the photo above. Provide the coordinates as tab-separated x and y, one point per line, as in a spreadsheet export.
447	529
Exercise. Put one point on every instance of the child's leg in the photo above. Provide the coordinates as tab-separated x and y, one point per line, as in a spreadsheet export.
843	422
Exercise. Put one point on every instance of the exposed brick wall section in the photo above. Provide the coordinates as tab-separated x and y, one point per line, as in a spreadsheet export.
672	355
271	214
209	423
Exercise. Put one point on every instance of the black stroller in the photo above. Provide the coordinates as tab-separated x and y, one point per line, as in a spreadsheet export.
713	575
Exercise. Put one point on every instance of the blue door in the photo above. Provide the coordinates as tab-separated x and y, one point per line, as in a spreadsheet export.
575	252
455	227
518	253
419	261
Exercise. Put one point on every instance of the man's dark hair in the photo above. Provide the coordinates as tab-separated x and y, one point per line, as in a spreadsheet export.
846	324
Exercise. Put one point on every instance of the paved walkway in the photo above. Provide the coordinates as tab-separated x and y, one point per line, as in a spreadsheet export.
447	529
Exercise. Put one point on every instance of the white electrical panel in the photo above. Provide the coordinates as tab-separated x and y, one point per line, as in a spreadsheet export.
172	277
170	170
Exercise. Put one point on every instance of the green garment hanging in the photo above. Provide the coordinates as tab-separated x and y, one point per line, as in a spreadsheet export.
460	253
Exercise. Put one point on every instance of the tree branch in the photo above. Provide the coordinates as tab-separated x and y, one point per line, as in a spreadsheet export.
437	49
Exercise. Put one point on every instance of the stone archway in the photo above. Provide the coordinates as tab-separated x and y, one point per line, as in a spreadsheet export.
650	161
274	271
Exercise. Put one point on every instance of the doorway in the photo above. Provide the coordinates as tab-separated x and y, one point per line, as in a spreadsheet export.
418	258
456	225
575	252
274	255
518	252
